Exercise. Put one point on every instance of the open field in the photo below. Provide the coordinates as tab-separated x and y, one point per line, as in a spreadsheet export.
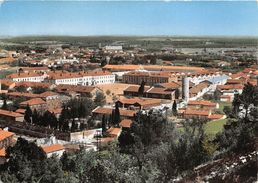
115	89
213	127
155	42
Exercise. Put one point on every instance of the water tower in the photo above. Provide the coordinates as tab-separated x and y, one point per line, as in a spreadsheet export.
185	88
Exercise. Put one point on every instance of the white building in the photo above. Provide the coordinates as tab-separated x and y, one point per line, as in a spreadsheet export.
113	48
82	78
30	76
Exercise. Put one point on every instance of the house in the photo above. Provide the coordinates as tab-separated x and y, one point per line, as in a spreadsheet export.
126	123
131	67
11	116
2	156
138	103
30	76
6	138
114	132
133	90
35	103
89	91
161	93
150	78
124	113
54	150
30	85
81	78
193	113
199	89
6	84
197	104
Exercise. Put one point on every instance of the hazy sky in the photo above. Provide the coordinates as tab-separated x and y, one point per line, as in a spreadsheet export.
128	18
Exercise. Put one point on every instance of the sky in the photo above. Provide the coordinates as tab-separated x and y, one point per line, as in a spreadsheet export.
169	18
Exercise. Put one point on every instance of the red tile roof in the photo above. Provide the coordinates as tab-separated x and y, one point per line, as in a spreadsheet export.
114	131
9	113
53	148
197	112
5	134
34	101
2	152
54	75
24	75
202	103
123	112
126	123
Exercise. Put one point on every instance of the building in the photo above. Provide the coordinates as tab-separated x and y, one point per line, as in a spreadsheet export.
130	67
124	113
199	90
6	138
133	90
35	103
160	93
54	150
138	103
30	76
193	113
202	104
150	78
81	78
114	132
126	124
89	91
113	48
11	116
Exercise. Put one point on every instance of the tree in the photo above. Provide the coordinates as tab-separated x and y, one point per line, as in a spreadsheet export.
116	115
100	99
4	106
174	108
35	117
217	95
21	89
28	114
25	160
39	90
177	94
141	89
104	125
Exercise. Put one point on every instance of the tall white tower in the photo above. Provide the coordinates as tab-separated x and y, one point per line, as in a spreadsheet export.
185	88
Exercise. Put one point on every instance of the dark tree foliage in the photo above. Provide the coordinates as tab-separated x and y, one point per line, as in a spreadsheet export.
100	99
25	160
141	89
177	94
4	106
28	114
174	108
39	90
116	115
104	125
242	127
21	89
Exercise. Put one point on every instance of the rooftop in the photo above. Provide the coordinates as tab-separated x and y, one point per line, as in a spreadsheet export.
53	148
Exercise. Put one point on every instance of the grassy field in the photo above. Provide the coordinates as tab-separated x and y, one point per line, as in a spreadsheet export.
213	127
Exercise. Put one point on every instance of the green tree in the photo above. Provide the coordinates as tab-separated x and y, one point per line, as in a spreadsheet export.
28	114
104	125
141	89
100	99
4	106
116	115
174	108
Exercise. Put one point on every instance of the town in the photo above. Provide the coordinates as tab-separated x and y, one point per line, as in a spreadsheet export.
66	98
